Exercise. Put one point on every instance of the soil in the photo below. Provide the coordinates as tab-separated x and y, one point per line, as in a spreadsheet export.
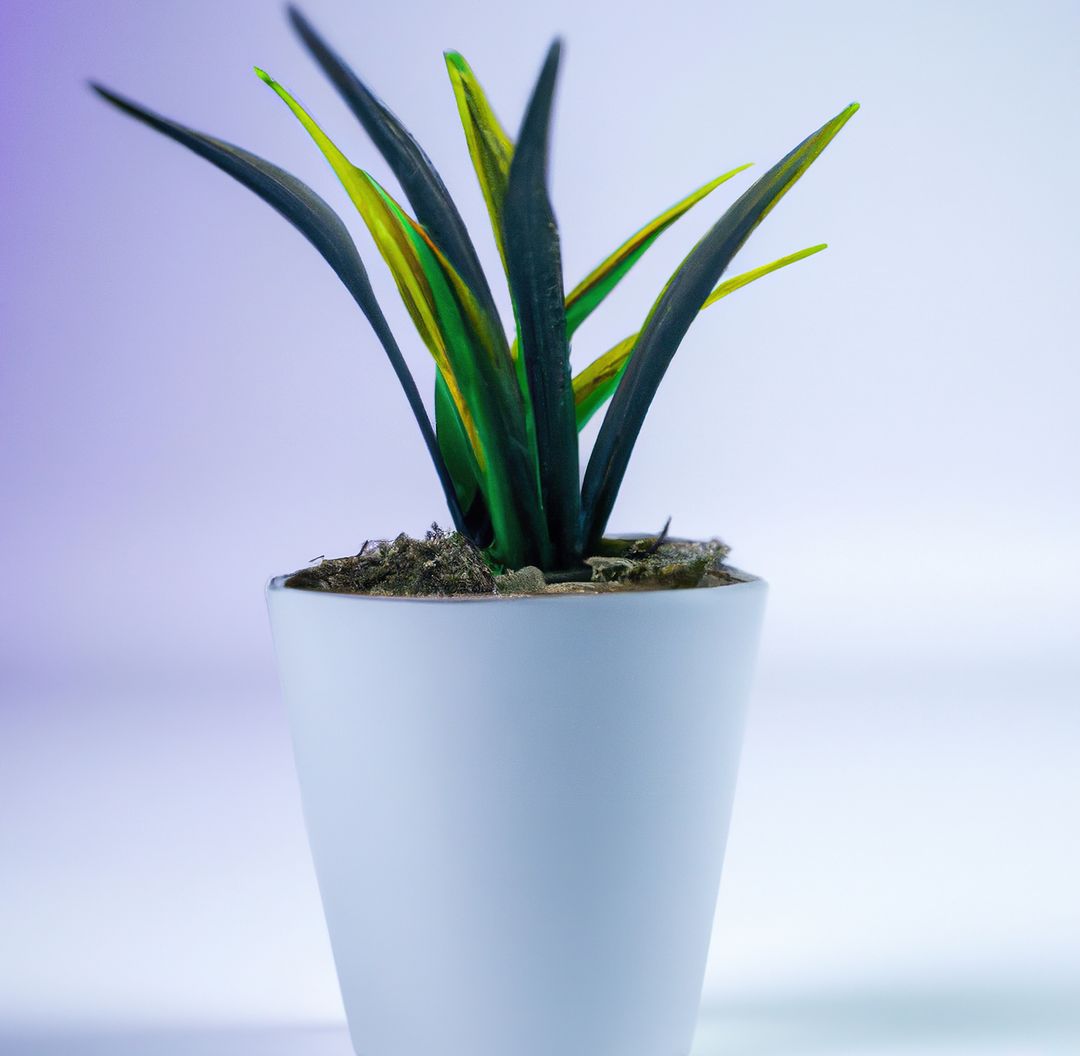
445	564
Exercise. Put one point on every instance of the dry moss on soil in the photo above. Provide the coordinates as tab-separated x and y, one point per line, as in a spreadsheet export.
445	564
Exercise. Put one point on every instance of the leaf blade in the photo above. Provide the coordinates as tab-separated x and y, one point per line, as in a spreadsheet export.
596	383
419	179
671	316
389	231
481	381
490	148
534	269
584	298
412	168
323	228
468	347
461	463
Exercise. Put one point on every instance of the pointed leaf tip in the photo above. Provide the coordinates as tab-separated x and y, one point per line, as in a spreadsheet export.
550	68
552	59
295	15
423	187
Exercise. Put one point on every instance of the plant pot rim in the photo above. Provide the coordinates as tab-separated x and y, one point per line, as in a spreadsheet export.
746	581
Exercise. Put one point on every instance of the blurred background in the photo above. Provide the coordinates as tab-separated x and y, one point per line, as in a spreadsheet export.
887	432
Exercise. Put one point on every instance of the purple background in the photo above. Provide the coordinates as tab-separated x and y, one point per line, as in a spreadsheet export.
887	432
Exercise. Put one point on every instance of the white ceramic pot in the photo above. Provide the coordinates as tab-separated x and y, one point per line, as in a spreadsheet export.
517	809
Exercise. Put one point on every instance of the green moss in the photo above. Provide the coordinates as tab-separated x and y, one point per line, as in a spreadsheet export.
661	563
440	564
445	564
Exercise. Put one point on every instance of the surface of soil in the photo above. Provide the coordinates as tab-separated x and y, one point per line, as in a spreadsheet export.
445	564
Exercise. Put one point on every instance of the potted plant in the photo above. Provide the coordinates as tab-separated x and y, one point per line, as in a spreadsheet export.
517	742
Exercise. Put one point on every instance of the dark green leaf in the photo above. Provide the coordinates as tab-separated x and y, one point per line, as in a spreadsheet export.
471	353
412	168
534	268
323	228
670	318
423	188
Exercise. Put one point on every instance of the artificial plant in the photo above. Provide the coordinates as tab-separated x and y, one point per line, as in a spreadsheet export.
508	411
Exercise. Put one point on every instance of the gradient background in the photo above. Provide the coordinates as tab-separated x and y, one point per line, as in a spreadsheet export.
887	432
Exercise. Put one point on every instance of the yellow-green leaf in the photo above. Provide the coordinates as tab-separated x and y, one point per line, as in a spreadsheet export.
739	281
587	295
489	146
455	446
399	247
595	384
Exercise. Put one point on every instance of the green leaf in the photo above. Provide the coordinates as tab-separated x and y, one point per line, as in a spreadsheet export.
534	268
489	145
599	379
595	384
491	152
461	462
398	248
670	318
479	377
412	168
590	292
323	228
434	209
468	348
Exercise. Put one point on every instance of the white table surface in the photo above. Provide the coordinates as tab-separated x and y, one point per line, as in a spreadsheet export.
903	875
